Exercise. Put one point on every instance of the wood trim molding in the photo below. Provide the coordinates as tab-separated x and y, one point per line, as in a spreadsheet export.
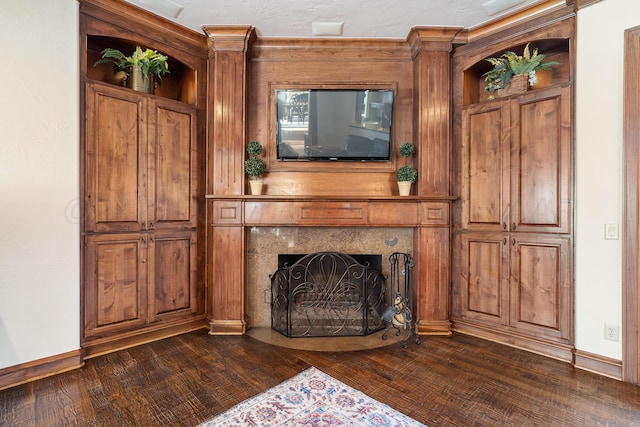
41	368
598	364
225	38
330	50
129	16
525	21
432	39
631	210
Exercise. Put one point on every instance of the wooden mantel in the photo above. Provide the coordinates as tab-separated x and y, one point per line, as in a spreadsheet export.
250	211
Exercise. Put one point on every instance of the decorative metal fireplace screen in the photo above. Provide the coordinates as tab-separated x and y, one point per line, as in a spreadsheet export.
327	294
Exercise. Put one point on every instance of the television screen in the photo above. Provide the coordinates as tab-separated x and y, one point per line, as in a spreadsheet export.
334	124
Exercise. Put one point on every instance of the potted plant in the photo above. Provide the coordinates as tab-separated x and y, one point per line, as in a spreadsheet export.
406	174
140	68
254	166
519	70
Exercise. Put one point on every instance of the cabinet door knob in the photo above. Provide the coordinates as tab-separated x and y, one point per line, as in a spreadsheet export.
513	241
504	240
513	226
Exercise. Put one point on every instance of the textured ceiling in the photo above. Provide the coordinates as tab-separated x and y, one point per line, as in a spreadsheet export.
362	19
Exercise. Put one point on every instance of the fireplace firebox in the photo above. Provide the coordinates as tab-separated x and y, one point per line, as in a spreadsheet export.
328	294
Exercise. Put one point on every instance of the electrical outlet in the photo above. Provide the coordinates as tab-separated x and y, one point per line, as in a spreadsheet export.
611	332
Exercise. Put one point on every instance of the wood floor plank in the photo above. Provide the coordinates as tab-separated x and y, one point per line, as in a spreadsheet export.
445	381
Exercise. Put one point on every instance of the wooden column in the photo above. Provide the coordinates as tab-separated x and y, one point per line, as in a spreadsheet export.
225	176
431	280
430	49
227	93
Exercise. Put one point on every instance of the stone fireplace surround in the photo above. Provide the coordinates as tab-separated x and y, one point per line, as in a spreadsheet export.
264	244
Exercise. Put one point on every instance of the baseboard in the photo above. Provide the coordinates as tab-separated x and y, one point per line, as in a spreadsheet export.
100	346
595	363
559	351
227	327
433	327
41	368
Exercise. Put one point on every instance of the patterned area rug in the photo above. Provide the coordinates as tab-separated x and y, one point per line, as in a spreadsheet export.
311	398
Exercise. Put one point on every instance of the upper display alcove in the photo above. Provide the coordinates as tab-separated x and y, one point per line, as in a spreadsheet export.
180	84
554	50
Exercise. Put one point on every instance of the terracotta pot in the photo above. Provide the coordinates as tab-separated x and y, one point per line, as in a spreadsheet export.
404	187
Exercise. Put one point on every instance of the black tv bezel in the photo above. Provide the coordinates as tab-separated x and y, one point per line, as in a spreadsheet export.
361	159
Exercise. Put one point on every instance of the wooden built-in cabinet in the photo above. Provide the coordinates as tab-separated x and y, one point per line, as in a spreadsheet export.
516	163
494	176
142	189
140	165
137	279
141	211
512	253
515	282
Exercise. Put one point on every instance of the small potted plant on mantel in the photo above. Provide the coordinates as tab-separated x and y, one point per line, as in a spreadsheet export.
513	73
406	174
140	68
254	166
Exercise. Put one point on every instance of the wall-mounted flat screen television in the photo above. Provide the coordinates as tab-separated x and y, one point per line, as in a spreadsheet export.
334	124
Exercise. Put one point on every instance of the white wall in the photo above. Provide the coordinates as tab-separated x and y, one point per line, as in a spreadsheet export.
39	232
599	170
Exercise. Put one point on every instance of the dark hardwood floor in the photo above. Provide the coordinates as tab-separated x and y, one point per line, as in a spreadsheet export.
445	381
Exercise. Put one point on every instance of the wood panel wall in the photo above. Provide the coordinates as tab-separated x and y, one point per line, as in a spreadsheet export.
277	63
244	73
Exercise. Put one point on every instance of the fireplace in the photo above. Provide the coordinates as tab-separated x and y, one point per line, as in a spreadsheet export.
328	294
265	245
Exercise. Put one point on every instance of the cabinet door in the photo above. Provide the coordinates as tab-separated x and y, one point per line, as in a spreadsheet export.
115	150
115	283
172	274
484	273
541	286
172	165
485	167
541	161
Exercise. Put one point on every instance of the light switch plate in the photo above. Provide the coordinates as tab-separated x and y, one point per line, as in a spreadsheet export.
611	231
